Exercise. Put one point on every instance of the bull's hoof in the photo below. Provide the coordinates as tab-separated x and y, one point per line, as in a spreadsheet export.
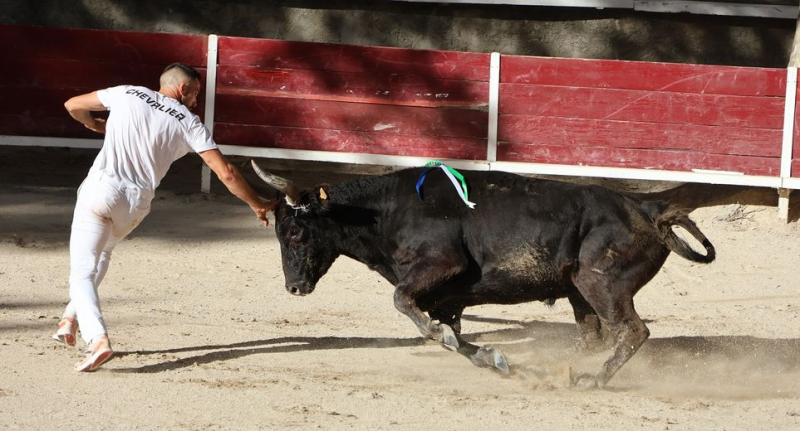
448	338
584	382
488	357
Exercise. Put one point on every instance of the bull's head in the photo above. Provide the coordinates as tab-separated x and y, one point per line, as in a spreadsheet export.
305	234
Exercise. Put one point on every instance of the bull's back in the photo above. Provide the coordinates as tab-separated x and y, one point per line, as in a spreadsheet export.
521	233
524	235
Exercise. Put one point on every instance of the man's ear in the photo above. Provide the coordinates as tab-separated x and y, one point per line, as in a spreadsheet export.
182	88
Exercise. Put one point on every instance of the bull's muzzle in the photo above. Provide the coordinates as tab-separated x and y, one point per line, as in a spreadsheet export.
300	289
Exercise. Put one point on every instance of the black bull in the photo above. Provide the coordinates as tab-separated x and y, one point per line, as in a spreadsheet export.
526	240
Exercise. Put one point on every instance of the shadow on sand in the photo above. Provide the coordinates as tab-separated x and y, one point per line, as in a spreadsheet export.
720	366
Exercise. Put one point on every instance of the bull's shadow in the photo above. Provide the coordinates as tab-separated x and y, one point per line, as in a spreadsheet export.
223	352
736	361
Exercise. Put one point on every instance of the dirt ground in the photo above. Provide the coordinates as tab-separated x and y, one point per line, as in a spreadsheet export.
207	338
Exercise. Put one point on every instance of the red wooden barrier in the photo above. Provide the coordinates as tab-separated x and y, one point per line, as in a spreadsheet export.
42	67
392	102
641	115
388	101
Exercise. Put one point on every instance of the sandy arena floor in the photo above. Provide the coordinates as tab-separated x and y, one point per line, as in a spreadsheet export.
207	338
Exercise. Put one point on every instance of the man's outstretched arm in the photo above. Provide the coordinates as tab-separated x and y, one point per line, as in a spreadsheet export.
233	180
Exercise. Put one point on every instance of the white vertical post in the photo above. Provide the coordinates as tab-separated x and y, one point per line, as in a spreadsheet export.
494	101
788	141
783	203
211	90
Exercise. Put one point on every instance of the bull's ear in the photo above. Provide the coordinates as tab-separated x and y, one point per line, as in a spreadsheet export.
323	198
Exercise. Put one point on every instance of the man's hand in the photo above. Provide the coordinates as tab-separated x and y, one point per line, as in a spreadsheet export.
233	180
261	212
261	215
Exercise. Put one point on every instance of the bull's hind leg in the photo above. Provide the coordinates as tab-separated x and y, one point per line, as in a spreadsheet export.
593	336
629	333
589	327
613	302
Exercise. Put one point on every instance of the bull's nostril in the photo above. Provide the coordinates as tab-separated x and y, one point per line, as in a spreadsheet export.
294	290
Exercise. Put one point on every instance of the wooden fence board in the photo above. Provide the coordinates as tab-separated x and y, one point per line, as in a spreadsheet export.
46	126
349	141
628	105
639	135
638	158
81	76
323	114
638	75
352	87
103	45
279	54
35	102
23	105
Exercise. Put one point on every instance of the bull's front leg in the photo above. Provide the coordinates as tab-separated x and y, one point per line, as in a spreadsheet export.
441	332
449	314
486	357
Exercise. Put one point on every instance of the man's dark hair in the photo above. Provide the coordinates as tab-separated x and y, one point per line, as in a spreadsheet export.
190	71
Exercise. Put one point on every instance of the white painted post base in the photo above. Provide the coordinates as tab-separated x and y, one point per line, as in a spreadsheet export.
205	179
783	204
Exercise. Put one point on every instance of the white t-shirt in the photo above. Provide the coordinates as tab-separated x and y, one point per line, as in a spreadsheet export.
145	132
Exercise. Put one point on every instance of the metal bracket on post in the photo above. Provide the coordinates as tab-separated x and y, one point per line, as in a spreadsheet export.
211	91
494	100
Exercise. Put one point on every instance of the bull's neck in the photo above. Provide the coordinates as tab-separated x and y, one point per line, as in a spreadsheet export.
360	212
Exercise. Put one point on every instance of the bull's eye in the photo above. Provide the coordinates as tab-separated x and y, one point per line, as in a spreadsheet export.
295	233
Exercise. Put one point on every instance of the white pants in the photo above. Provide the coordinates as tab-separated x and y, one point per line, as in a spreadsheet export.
105	213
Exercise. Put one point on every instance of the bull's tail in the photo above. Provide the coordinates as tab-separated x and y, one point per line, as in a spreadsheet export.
672	217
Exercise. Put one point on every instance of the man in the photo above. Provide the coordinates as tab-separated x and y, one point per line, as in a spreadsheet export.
146	131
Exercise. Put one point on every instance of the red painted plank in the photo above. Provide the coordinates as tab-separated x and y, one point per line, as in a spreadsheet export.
80	75
521	129
796	168
638	75
640	159
50	126
354	87
280	54
36	103
349	142
627	105
358	117
103	45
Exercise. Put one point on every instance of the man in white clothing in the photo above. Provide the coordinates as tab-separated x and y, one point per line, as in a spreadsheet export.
146	131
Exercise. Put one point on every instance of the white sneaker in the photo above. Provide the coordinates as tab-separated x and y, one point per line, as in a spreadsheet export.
99	352
67	328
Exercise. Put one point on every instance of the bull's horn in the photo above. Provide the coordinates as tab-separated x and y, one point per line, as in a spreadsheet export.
287	187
